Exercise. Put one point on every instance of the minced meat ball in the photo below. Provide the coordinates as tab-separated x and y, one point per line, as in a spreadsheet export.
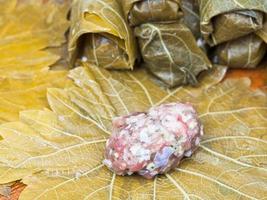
153	142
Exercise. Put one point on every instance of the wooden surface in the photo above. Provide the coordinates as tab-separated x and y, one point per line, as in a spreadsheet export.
15	191
258	77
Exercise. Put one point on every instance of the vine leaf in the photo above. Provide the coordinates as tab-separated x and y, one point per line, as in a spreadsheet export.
58	153
28	93
30	34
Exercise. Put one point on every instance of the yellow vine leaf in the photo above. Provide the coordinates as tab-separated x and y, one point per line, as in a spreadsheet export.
58	153
24	34
30	31
7	6
28	93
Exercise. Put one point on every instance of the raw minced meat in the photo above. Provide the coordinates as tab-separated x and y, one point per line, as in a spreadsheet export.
153	142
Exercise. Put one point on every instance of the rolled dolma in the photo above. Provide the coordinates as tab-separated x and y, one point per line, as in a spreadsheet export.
224	20
171	53
100	35
190	9
191	19
244	52
143	11
262	33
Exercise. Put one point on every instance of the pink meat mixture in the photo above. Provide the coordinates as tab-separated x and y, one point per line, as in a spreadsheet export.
153	142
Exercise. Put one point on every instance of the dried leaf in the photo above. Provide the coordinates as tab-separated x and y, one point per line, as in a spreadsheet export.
58	153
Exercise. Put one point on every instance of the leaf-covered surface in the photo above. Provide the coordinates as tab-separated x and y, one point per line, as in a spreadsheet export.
24	34
223	20
27	29
28	92
7	6
58	153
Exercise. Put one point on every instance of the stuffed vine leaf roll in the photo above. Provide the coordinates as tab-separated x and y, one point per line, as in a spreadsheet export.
224	20
100	35
170	52
244	52
190	9
191	19
103	51
262	33
143	11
